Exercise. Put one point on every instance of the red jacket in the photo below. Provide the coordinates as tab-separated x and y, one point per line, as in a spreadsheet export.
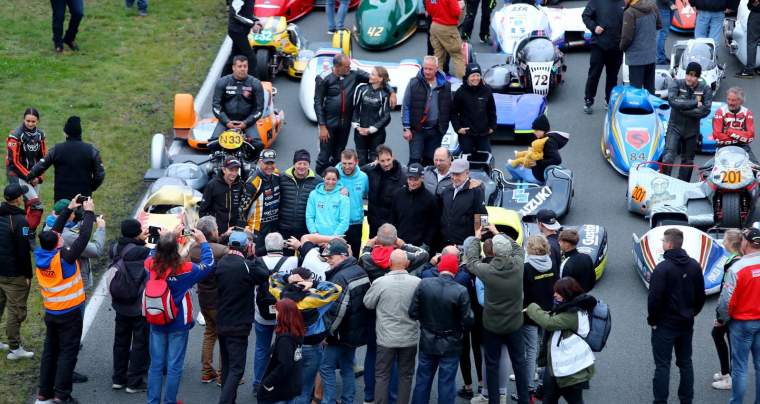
740	296
444	12
733	127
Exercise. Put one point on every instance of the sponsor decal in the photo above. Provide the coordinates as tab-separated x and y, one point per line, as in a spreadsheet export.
590	234
637	137
660	191
520	196
536	201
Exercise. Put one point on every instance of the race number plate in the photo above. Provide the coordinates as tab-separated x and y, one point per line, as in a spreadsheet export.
731	176
638	194
230	140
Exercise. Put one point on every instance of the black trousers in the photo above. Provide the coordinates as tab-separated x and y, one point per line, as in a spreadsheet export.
59	355
753	38
76	9
354	239
601	59
676	143
642	76
665	340
722	346
233	350
472	340
240	46
552	392
130	350
329	151
516	348
366	145
471	10
473	143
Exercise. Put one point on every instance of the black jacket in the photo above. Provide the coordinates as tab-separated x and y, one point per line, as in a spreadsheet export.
474	108
223	202
238	100
676	291
418	259
538	283
294	194
684	113
283	374
607	14
134	261
442	307
710	5
579	266
15	247
371	107
236	281
415	215
557	140
753	8
241	17
383	185
334	98
78	168
417	94
555	252
349	318
458	213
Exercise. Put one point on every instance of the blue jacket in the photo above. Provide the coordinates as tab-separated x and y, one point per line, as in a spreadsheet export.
357	185
327	213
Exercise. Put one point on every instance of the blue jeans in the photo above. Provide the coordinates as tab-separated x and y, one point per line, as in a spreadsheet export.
521	173
338	357
447	373
332	24
261	353
745	338
167	350
311	357
142	5
666	15
76	9
709	25
369	369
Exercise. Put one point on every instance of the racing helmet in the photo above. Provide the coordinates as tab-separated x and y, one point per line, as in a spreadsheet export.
700	52
500	78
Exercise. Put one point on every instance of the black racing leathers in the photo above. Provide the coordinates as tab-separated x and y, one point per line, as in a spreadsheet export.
334	98
683	127
78	168
241	17
238	100
223	201
261	206
371	107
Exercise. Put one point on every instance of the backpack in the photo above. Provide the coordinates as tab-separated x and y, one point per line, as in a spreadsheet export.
264	300
157	303
123	288
600	325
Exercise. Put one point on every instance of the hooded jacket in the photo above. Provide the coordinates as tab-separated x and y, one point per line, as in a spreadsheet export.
238	100
538	282
415	215
327	212
641	21
458	210
371	108
676	291
294	195
349	318
418	94
78	168
383	185
503	280
607	14
223	202
377	259
432	184
556	140
15	242
474	108
685	115
357	185
580	267
134	262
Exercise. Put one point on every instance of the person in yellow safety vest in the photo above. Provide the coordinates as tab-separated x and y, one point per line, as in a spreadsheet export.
63	297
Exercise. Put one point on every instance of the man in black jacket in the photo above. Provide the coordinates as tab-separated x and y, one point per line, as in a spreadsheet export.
238	102
16	271
753	40
130	340
461	205
442	307
386	177
604	18
676	296
295	185
576	264
236	279
78	168
350	321
222	196
473	112
415	210
690	100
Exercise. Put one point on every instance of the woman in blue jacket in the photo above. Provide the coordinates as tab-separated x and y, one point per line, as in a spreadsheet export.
328	210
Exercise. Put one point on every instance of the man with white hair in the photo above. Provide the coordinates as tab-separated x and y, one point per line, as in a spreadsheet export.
264	317
733	123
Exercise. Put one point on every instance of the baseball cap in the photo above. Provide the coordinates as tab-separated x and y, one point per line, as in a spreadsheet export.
548	218
414	170
752	235
231	162
13	191
238	239
459	166
335	247
268	155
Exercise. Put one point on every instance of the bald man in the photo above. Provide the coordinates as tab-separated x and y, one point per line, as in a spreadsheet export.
397	334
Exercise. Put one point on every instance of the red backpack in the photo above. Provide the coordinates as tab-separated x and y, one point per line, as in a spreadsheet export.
157	304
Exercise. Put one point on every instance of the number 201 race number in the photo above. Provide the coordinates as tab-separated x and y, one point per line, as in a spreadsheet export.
731	177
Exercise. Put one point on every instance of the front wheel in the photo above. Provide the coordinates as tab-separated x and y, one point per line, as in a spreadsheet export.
263	59
731	207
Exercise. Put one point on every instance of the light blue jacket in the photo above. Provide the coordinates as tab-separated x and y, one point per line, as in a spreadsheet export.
327	213
357	185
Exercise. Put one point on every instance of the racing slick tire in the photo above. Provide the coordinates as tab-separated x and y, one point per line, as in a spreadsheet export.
158	157
731	204
263	59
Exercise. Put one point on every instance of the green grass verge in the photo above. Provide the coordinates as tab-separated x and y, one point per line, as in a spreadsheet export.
121	84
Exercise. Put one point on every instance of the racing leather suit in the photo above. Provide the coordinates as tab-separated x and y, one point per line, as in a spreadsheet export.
25	148
261	202
683	126
734	128
371	110
239	24
239	100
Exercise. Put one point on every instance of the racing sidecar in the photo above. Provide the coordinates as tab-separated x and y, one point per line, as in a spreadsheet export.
735	32
706	250
290	9
703	51
513	22
169	202
684	17
382	24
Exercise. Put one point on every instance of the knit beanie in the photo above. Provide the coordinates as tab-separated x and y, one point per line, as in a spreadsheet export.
131	228
541	123
501	245
301	155
73	127
449	263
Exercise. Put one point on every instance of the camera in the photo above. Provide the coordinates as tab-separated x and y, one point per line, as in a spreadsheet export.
187	232
153	234
82	198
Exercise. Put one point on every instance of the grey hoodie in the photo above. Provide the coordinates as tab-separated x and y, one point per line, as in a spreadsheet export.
541	263
638	39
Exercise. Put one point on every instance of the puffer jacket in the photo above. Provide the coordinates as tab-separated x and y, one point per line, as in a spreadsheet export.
430	178
223	202
376	259
458	212
417	95
294	194
443	309
557	140
327	212
238	100
334	98
474	108
641	21
134	262
371	108
383	185
684	114
349	319
607	14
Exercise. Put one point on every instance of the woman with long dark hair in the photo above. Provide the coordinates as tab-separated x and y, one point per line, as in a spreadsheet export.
168	342
372	113
26	147
283	379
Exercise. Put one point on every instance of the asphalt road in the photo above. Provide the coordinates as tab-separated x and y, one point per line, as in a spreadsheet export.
624	369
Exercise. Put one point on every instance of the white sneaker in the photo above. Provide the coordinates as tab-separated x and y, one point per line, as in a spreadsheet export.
4	346
19	353
512	377
44	402
117	386
723	384
200	319
479	399
502	399
719	376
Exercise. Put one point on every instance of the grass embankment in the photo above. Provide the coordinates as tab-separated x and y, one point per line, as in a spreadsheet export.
121	84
